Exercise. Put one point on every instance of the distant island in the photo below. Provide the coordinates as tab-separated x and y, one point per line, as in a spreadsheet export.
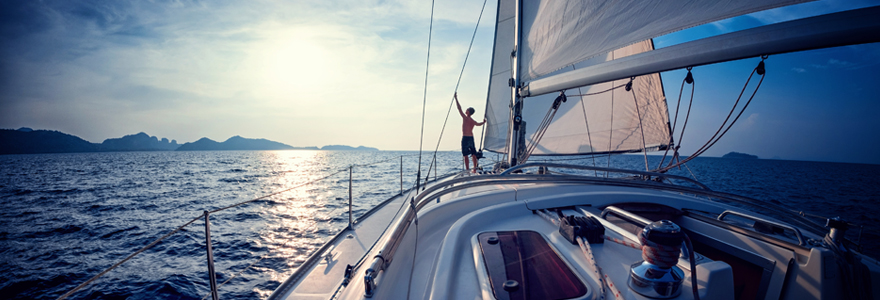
738	155
348	148
28	141
234	143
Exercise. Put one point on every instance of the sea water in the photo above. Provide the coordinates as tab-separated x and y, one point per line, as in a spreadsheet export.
66	217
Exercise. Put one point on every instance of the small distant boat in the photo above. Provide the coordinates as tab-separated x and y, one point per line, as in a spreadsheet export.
531	230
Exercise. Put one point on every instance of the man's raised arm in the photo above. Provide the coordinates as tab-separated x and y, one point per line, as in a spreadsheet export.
455	96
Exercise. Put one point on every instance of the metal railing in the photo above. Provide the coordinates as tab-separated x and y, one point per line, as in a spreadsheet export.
660	176
206	216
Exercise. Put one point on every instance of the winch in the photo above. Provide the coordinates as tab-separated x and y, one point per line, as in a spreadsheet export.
657	276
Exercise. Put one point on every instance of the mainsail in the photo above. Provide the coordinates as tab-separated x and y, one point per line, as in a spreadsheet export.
563	36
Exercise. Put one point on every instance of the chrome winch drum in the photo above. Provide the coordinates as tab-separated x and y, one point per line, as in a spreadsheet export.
657	276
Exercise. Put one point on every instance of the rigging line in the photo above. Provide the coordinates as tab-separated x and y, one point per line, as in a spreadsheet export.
181	227
675	120
610	134
415	250
610	127
706	147
248	267
686	118
692	172
632	90
586	121
589	137
732	110
711	143
542	128
600	92
537	136
126	259
565	159
380	161
737	116
275	193
425	93
457	83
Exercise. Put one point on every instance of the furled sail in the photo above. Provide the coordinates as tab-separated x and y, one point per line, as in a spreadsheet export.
563	35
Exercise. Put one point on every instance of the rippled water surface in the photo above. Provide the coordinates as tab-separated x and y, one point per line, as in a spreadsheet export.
67	217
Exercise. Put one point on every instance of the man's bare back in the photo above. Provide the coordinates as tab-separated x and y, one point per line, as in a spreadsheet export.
467	127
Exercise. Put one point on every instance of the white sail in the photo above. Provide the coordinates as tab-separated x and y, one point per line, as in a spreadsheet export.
562	36
558	33
498	103
610	121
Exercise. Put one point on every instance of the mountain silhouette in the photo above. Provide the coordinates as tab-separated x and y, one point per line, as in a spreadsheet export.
138	142
234	143
26	140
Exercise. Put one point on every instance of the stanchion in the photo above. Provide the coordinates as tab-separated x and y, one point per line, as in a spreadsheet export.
211	275
349	196
401	174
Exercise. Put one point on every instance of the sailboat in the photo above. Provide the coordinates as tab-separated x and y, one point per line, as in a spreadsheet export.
580	78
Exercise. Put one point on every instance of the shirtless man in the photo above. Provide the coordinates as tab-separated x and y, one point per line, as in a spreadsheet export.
467	132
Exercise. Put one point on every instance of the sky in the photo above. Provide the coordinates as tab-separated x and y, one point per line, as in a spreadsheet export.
315	73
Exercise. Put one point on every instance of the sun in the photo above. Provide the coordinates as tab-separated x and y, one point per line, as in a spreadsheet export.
292	62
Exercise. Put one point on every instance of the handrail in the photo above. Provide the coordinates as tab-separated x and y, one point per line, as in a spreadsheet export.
629	215
801	240
612	170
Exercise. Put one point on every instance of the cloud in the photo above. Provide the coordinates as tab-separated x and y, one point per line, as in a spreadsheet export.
209	67
799	70
833	63
752	120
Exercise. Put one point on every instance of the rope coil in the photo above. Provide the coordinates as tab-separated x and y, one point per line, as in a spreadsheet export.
659	255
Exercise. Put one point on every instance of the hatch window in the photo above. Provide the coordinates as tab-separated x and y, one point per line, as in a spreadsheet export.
521	265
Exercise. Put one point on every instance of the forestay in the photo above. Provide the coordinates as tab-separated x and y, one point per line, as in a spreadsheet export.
561	36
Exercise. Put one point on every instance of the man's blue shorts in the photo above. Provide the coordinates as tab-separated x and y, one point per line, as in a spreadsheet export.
467	146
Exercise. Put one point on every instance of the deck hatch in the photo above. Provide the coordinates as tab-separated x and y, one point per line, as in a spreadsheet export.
525	257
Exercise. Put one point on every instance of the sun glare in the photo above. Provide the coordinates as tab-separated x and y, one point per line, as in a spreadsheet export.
292	62
304	212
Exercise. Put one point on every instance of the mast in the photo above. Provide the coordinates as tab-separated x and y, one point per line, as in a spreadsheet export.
515	119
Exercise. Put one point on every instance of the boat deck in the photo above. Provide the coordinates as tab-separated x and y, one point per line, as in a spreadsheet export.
321	278
444	254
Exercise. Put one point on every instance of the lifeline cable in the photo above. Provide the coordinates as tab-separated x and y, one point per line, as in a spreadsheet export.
84	284
77	288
